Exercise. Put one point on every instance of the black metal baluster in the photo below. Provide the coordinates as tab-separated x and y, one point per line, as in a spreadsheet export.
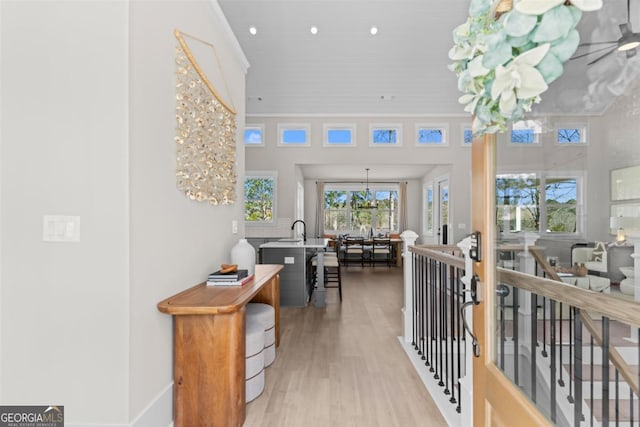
424	301
459	334
445	327
591	380
516	347
502	331
534	340
617	397
424	309
605	371
544	327
440	322
432	317
560	380
552	345
571	365
452	321
417	311
577	354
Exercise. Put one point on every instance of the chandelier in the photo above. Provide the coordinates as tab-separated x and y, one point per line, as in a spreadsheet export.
369	201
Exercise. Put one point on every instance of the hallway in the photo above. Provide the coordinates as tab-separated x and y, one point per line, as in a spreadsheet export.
343	365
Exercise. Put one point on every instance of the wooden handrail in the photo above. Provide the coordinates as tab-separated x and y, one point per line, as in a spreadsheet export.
436	252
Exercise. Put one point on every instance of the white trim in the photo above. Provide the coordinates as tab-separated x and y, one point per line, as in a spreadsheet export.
425	230
230	36
397	127
283	127
159	412
392	115
326	127
443	127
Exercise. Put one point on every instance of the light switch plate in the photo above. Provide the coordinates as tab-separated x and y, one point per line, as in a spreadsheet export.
289	260
60	228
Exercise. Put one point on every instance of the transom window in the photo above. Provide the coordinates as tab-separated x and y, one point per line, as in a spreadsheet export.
254	136
467	136
294	135
339	135
260	197
352	210
571	134
546	205
427	135
385	135
526	132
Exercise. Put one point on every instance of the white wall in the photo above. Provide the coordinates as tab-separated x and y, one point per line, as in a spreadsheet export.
64	335
88	121
285	160
175	241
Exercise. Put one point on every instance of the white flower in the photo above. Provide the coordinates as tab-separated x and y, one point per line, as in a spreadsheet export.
539	7
519	79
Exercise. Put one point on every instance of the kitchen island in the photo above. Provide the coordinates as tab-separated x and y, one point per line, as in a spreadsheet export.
295	288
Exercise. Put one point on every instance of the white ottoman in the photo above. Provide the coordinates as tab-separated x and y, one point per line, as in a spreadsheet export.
267	316
254	358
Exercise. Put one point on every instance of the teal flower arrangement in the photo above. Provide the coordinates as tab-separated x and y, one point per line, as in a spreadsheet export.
505	55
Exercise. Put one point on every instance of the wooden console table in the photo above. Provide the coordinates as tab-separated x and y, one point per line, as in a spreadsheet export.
209	347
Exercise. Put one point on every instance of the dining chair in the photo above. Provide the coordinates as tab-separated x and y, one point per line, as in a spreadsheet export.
381	246
353	250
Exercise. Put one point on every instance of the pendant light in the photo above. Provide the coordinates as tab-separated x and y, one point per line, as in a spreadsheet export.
369	200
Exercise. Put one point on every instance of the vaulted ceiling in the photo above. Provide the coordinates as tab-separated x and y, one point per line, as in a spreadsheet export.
402	70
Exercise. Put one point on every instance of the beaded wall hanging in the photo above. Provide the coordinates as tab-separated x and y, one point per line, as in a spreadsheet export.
205	130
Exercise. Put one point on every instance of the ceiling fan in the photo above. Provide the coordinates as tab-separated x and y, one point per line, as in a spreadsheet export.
627	43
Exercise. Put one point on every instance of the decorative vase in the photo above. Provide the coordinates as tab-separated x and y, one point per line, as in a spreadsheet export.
244	255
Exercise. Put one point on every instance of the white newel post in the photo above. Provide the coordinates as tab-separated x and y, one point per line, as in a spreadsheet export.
527	264
408	239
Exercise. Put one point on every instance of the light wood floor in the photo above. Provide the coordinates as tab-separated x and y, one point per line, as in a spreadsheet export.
343	365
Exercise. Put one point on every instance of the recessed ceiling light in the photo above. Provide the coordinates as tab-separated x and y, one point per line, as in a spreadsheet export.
387	97
253	30
314	30
373	30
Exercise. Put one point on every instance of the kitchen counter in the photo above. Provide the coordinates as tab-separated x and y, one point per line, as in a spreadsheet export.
296	243
295	283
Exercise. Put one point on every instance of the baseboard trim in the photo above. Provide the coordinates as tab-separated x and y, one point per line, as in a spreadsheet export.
159	412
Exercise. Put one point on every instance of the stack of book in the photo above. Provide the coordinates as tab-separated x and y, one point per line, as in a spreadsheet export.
233	278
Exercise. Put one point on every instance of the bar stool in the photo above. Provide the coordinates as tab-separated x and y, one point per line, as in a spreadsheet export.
266	315
332	274
254	359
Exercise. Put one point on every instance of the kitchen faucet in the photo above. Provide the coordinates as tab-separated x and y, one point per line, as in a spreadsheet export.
304	228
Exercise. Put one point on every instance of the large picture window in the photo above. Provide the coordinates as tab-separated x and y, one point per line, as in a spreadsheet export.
353	210
545	205
259	197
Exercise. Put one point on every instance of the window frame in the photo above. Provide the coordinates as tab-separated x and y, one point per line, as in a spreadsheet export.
536	135
274	198
584	134
443	127
427	211
542	178
388	126
283	127
350	188
327	127
258	126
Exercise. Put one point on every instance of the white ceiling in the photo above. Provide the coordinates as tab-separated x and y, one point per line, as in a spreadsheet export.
344	70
